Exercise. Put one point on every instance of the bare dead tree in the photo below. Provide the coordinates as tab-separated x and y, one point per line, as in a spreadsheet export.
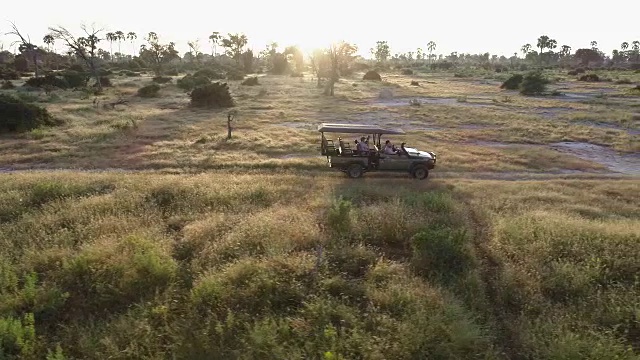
25	46
86	47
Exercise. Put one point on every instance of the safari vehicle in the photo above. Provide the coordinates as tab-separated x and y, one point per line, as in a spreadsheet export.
342	156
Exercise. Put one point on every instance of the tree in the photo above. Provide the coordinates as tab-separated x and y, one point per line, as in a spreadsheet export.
624	46
543	42
431	46
294	54
131	36
381	52
320	64
525	49
585	56
111	37
119	37
28	49
49	40
83	47
234	45
636	49
214	38
594	45
158	54
194	49
566	50
340	55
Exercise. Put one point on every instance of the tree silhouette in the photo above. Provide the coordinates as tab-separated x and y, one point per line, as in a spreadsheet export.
214	38
636	49
234	45
49	40
86	47
525	49
431	46
381	52
131	36
340	54
543	42
119	37
25	46
111	37
594	45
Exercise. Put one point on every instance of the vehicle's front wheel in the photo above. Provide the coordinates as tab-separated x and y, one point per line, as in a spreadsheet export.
354	171
420	172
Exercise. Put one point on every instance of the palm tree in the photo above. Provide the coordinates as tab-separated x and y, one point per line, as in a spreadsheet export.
119	37
49	40
624	46
594	45
111	37
131	36
543	42
636	49
431	46
214	37
525	49
566	50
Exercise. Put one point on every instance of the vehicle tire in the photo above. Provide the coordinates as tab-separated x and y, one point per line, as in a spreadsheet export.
420	172
354	171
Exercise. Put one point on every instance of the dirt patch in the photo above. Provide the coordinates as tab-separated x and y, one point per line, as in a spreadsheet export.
412	101
621	163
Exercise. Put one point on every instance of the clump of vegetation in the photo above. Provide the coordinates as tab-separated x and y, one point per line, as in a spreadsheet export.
513	82
162	79
624	82
76	79
214	95
8	74
7	85
149	91
105	81
372	75
576	72
47	81
189	82
234	74
407	72
252	81
414	83
20	116
534	83
210	74
589	78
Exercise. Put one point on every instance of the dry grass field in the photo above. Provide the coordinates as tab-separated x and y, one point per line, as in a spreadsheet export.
522	244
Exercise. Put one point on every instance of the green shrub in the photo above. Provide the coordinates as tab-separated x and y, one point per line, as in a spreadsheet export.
76	79
589	78
372	75
534	83
624	82
513	83
8	74
339	216
149	91
47	81
7	85
105	81
214	95
162	79
407	72
252	81
234	74
20	116
17	337
189	82
209	74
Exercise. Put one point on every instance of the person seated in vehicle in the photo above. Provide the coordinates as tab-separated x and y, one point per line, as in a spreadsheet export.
362	147
389	149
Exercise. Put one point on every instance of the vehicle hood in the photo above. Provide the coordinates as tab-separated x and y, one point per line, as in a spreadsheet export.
424	154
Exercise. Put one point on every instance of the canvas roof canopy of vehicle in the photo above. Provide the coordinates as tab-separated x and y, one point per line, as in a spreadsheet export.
356	128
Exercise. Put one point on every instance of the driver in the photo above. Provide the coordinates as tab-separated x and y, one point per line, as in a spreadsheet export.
362	147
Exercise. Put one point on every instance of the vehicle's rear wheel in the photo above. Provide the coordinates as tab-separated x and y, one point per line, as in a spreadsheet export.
354	171
420	172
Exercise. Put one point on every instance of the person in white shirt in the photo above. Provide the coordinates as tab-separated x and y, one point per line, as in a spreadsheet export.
389	149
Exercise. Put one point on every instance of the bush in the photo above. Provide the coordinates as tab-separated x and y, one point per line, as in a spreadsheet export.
624	82
414	83
7	85
149	91
209	74
215	95
372	75
105	81
533	83
513	83
589	78
76	79
162	79
189	82
252	81
234	74
407	72
171	72
9	74
47	81
20	116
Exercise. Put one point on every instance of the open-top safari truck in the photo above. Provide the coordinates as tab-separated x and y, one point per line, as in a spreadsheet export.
342	156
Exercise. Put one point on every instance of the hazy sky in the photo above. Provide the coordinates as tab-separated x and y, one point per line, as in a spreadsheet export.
469	26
